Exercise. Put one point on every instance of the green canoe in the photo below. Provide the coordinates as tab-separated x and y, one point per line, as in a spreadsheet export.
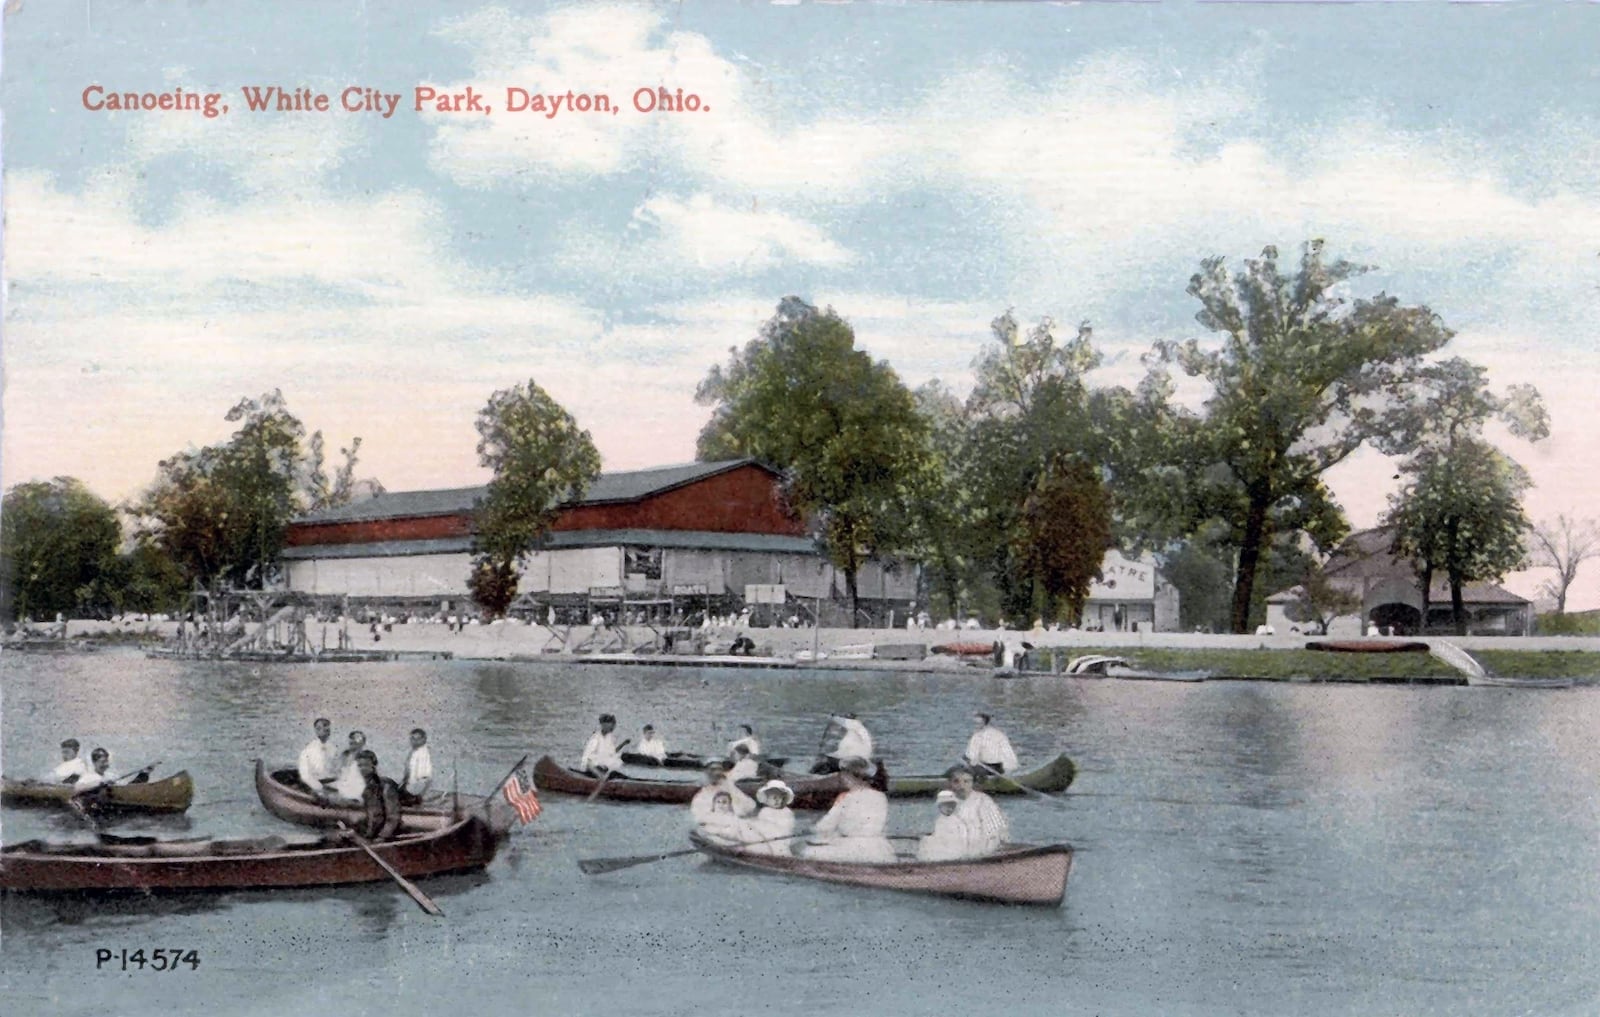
1055	775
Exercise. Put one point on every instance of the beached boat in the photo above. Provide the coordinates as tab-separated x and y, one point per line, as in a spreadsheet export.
146	864
171	794
1368	646
686	761
1520	683
1016	874
969	649
283	795
1101	666
809	792
1056	775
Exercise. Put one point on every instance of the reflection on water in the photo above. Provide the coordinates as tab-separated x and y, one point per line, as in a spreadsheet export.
1243	849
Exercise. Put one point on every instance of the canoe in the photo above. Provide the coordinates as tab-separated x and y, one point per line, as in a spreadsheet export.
685	761
1017	874
1367	646
1055	775
815	793
172	794
145	864
282	795
964	649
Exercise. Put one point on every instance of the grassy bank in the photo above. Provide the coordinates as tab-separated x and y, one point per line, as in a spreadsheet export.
1540	663
1273	664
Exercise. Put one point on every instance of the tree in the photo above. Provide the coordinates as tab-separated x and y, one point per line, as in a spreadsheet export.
1301	379
541	460
841	427
222	512
1065	533
1319	600
1563	545
58	540
939	505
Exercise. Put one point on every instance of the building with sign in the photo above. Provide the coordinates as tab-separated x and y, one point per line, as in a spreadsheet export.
663	541
1131	596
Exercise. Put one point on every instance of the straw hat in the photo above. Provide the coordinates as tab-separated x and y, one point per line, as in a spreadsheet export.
781	788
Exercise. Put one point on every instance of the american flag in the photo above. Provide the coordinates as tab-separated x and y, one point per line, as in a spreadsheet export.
525	802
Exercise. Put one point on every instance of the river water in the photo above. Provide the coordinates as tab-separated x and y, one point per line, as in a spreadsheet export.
1242	848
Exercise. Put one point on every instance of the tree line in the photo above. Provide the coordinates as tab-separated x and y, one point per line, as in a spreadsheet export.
1008	498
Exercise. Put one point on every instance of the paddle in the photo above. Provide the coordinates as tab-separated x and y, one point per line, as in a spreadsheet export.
405	884
608	774
135	773
599	866
1025	789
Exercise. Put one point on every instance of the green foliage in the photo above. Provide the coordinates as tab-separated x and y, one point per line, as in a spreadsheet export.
1319	600
1064	535
843	429
541	460
1300	379
58	540
1203	580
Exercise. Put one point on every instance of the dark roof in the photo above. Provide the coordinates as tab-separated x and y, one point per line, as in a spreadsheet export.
565	539
608	488
1473	593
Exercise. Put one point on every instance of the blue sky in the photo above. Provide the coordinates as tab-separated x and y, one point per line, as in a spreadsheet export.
920	167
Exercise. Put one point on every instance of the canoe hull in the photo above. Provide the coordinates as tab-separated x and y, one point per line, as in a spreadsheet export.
1367	646
464	846
815	794
1018	874
291	804
172	794
1056	775
684	761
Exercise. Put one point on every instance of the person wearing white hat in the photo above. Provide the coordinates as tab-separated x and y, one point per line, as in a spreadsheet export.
853	830
702	805
948	841
768	832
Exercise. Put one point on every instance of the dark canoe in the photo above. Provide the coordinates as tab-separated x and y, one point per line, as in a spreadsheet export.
815	793
173	794
1016	874
268	863
1367	646
284	796
1056	775
686	760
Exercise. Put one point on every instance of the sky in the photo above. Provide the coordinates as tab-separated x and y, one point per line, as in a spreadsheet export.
921	168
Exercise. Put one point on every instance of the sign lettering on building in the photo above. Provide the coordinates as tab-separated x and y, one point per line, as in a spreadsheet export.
765	593
1124	578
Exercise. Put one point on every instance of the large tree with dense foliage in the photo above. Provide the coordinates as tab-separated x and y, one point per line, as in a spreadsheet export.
541	460
1064	535
222	512
841	427
58	544
1301	378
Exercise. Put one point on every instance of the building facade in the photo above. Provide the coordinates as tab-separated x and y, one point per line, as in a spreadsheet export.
660	542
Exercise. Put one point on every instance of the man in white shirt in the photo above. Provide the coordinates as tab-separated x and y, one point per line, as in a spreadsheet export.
744	764
601	753
99	772
855	742
651	745
853	830
747	738
351	785
72	768
986	826
700	806
990	747
319	761
419	769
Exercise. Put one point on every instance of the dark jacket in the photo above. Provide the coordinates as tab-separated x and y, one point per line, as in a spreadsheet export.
381	799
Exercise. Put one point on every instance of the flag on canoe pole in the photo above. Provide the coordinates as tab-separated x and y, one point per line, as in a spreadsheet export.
526	802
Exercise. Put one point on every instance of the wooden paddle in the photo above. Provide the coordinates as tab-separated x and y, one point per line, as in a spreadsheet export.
599	866
405	884
1025	789
609	773
135	773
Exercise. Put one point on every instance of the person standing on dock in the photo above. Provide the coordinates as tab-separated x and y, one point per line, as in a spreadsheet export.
651	745
986	825
600	752
419	769
853	830
72	768
319	762
854	742
989	747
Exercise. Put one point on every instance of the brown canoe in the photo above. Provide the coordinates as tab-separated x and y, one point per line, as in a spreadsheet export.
283	795
1016	874
173	794
1367	646
268	863
815	793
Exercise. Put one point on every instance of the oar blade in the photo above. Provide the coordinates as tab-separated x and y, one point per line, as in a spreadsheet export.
600	866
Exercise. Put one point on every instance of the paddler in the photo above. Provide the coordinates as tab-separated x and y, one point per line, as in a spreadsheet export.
600	752
853	830
770	829
651	745
989	747
716	773
986	825
745	766
72	768
948	841
854	742
99	772
747	738
350	784
419	769
380	799
319	761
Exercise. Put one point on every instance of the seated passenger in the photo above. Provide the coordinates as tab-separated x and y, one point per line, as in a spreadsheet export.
651	745
853	830
771	829
744	764
948	841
